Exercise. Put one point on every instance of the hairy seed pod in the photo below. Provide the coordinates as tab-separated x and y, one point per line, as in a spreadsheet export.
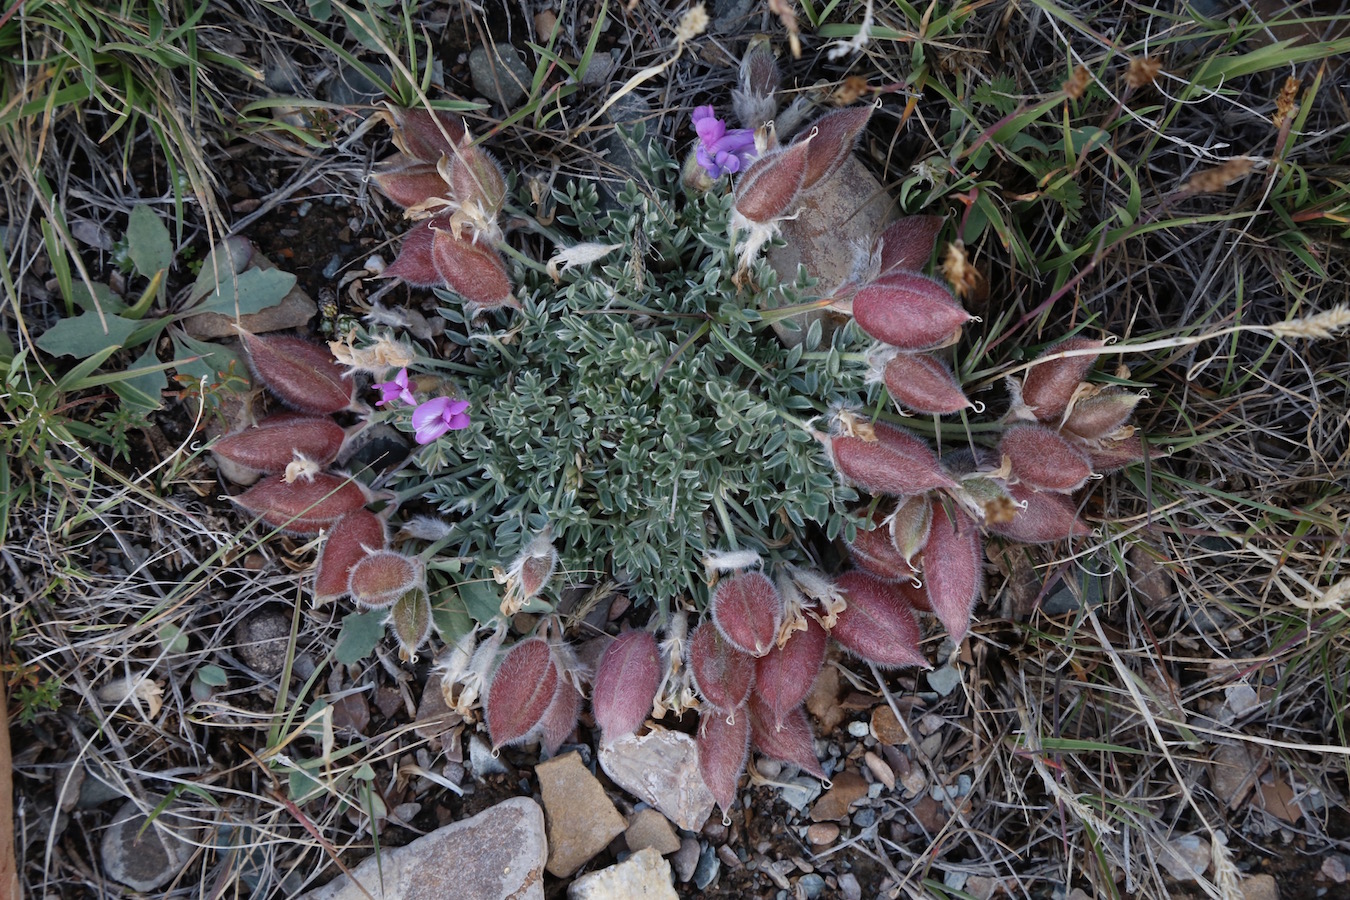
302	506
909	311
354	536
422	134
410	617
753	100
414	264
835	136
1100	414
952	567
408	182
1043	458
722	674
896	462
272	444
1108	455
878	625
472	270
560	719
910	526
1043	518
723	746
873	551
924	383
787	739
475	178
1049	386
784	675
907	243
625	685
770	186
521	692
303	375
380	578
747	611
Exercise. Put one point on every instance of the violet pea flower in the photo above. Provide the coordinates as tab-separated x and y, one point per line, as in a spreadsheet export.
435	417
720	149
395	390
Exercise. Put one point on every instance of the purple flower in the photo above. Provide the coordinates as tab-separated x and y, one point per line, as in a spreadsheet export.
395	390
721	150
435	417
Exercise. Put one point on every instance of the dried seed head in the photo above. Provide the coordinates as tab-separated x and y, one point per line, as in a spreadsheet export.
924	383
382	577
747	611
302	507
907	243
422	135
878	625
271	445
1100	412
723	746
966	279
1143	71
722	674
414	264
521	692
1044	459
1049	386
626	682
560	719
832	138
353	537
1284	103
909	311
787	739
952	562
1211	181
472	270
1042	518
1078	82
410	617
896	462
303	375
873	552
769	188
784	675
909	527
850	91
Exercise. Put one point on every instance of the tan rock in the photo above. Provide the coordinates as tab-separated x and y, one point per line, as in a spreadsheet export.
882	772
849	788
648	828
642	876
886	728
822	834
1260	887
1232	773
581	819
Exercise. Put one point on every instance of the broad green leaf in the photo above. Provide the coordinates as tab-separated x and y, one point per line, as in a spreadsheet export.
148	242
449	616
359	635
213	675
482	599
107	300
229	257
253	290
142	391
85	335
172	639
213	362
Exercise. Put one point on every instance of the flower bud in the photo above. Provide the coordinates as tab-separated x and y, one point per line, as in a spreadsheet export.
753	98
271	445
521	692
422	134
747	611
723	746
414	264
302	507
832	138
896	462
1100	413
381	577
1044	517
878	625
924	384
952	567
787	739
909	311
910	525
722	674
410	618
354	536
1049	386
769	188
626	682
473	271
784	675
303	375
1043	458
907	243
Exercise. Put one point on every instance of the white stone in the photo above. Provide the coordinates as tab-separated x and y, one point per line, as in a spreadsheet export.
643	876
661	767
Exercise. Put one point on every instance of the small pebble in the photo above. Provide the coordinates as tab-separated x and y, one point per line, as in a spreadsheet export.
728	857
708	868
769	768
914	782
858	729
1333	867
822	834
882	772
865	817
813	885
685	860
849	889
714	830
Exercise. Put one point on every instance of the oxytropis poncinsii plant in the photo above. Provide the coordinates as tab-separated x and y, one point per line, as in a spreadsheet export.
641	423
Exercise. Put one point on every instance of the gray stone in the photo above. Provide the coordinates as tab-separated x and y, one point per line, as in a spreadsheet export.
620	163
944	680
730	16
350	86
499	74
661	767
708	868
1260	887
581	819
146	859
812	885
1232	773
262	640
643	875
800	792
865	817
685	860
495	855
648	828
481	761
1186	857
849	889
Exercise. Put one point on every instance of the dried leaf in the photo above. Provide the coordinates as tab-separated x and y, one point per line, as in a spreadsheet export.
878	625
305	376
722	674
625	685
747	610
521	692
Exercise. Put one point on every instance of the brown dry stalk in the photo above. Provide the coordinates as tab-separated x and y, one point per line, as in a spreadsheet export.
787	15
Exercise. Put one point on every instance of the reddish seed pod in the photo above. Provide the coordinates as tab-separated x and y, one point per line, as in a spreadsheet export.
472	270
723	747
1101	414
907	243
952	567
873	552
409	182
878	625
304	375
787	739
305	506
722	674
909	311
747	611
835	136
420	135
380	578
521	692
924	383
1044	459
413	263
896	463
1046	517
272	444
784	675
560	719
1049	386
625	684
910	527
475	177
1110	455
769	188
354	536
